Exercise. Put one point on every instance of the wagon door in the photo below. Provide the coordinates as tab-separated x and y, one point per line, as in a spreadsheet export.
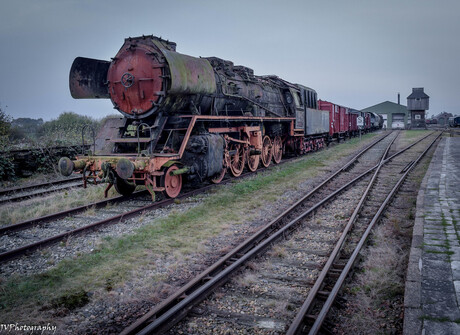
336	119
343	119
300	108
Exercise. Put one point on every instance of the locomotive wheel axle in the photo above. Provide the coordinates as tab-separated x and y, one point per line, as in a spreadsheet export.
172	182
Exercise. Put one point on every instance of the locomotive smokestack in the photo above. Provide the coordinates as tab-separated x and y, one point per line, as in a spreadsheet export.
399	98
88	79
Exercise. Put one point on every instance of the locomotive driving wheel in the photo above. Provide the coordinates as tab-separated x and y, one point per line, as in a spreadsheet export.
172	183
266	151
219	176
253	161
237	159
277	149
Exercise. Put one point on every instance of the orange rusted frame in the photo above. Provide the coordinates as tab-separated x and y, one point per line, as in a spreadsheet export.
250	118
187	135
156	162
255	139
224	130
231	139
245	129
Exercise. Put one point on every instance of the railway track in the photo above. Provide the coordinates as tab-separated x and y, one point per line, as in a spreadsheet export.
383	186
31	191
132	206
280	280
16	241
369	154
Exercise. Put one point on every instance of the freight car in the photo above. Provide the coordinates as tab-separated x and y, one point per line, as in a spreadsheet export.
342	120
188	118
353	122
367	122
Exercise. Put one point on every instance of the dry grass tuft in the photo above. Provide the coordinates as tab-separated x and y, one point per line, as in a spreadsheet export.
374	299
278	251
247	279
53	203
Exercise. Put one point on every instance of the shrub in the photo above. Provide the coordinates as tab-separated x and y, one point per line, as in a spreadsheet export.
66	129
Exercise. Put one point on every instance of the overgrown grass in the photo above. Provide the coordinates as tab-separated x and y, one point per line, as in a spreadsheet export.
437	319
380	281
14	213
178	235
416	133
375	297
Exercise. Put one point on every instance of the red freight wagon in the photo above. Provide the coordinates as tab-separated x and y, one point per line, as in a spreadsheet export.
338	120
353	121
367	122
333	121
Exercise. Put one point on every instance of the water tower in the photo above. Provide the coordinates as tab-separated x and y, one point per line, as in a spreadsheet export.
417	103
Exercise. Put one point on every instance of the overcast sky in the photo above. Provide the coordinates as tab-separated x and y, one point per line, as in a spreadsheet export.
354	53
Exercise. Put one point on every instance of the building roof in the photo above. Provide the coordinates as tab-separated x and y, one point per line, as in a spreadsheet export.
386	107
443	114
417	93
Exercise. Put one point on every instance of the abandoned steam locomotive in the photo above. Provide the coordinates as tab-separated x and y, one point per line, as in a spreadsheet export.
193	118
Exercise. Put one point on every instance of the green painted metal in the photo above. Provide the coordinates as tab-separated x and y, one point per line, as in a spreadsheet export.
189	75
180	171
169	163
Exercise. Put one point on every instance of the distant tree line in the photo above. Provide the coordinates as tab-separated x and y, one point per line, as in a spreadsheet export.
63	131
28	133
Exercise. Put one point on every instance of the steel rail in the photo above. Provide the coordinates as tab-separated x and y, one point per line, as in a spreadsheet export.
99	204
181	309
62	214
12	191
5	256
262	239
55	216
177	306
296	326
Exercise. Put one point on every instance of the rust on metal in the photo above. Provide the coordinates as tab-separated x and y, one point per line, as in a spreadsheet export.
135	79
277	148
267	152
172	182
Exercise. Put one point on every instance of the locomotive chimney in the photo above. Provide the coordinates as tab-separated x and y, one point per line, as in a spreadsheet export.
399	99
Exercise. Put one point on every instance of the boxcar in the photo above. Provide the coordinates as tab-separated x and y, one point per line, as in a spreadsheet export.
353	121
338	121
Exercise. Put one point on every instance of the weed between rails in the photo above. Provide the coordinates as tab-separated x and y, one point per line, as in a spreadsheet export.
14	212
